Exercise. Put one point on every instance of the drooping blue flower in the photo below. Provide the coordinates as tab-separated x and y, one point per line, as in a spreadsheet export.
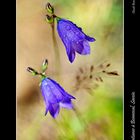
55	97
73	38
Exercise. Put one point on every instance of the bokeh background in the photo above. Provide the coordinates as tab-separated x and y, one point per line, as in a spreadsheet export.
100	110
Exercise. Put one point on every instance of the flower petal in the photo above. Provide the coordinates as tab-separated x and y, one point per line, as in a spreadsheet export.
71	55
66	39
63	92
55	90
66	103
54	110
73	38
55	96
47	92
69	49
91	39
86	49
82	47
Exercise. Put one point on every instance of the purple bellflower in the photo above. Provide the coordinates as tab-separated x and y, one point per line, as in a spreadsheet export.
73	38
55	97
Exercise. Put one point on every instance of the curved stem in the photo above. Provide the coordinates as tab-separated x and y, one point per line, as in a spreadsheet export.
82	121
56	51
78	115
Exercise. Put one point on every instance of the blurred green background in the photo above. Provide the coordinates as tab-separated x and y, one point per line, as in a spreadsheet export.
100	115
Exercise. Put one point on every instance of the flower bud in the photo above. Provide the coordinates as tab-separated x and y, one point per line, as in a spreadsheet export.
49	19
49	8
44	65
32	71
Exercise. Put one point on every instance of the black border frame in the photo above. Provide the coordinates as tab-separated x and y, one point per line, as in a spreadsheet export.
130	67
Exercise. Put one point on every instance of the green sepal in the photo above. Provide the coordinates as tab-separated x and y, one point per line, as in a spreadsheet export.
34	73
43	76
58	18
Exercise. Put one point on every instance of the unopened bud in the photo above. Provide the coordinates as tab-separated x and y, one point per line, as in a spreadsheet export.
49	19
44	65
32	71
49	8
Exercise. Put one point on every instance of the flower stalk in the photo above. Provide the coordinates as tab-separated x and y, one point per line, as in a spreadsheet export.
56	50
51	21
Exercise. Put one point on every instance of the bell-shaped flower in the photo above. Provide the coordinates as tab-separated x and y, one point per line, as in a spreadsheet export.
55	97
74	39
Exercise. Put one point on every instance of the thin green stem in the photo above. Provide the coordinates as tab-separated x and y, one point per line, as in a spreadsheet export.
56	51
78	115
82	121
